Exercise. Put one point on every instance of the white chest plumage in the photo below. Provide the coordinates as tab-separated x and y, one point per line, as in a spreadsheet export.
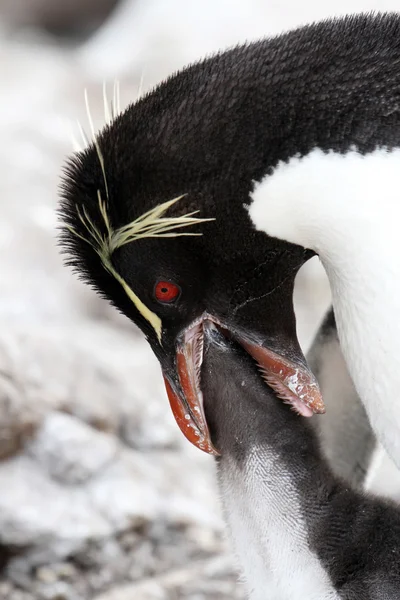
346	207
266	522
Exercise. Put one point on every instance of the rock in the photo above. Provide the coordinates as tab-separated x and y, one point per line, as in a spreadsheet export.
57	520
8	592
149	590
18	418
46	575
114	513
197	581
90	399
69	450
5	589
58	371
58	590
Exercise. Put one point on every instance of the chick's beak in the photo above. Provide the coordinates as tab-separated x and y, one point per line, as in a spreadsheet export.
291	380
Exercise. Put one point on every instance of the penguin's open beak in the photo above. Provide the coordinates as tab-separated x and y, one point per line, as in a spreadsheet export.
291	380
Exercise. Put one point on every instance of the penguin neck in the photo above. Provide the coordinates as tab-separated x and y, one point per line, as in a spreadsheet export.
344	207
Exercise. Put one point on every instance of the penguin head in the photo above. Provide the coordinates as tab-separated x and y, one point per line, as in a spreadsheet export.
154	217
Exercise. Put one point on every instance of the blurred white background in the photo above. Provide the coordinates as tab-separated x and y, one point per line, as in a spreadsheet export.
101	497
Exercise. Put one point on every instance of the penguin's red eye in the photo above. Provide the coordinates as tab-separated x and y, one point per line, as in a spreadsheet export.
167	292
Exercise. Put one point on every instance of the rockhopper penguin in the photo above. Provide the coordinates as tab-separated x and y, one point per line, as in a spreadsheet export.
295	136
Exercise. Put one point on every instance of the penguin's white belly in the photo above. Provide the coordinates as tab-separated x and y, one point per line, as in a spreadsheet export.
346	207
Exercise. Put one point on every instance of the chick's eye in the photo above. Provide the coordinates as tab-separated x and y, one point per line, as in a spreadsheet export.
166	291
